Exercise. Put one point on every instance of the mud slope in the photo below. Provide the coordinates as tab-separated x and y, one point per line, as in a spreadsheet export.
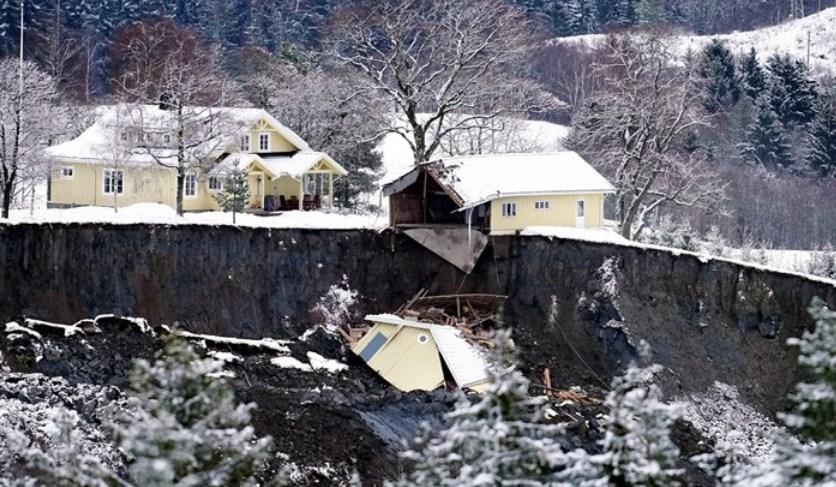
706	320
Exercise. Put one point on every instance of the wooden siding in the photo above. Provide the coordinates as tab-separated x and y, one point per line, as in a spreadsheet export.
561	212
405	362
86	188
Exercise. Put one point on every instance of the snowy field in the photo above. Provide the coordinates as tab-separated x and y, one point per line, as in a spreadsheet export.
789	37
161	214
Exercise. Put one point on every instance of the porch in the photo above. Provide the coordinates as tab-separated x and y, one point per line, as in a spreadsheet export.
313	191
302	181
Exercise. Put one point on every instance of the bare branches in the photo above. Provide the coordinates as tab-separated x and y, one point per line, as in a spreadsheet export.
21	139
167	66
633	128
432	59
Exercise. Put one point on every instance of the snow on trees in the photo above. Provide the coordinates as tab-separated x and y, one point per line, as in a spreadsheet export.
22	137
236	190
184	425
633	126
766	144
443	58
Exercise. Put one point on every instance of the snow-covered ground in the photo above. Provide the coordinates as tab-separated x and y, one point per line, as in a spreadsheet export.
789	37
161	214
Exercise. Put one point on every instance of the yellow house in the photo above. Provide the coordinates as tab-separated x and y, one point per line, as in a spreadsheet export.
117	162
409	354
500	193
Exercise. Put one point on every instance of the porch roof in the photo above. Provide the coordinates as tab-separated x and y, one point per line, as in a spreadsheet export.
293	165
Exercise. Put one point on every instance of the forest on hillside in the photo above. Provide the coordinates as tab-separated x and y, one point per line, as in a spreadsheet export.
733	146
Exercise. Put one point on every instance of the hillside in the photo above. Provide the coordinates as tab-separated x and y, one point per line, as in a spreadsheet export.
789	37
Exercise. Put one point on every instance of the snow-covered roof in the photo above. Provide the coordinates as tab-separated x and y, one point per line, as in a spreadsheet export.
294	165
465	362
99	142
473	180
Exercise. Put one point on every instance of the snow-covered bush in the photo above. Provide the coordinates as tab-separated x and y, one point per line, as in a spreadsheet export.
336	308
500	439
822	262
184	426
669	233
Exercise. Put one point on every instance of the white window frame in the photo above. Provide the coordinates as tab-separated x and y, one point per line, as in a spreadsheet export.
109	176
541	205
245	143
123	136
264	136
186	178
580	208
509	209
166	138
219	181
67	172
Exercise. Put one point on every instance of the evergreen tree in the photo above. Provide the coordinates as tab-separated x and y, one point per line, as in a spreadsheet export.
184	426
792	92
822	156
752	76
498	440
766	144
637	449
235	193
716	67
809	459
651	11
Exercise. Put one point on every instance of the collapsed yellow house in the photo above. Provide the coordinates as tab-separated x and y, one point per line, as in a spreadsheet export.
500	193
412	355
128	156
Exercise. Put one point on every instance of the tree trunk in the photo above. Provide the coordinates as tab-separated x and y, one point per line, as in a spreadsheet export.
181	177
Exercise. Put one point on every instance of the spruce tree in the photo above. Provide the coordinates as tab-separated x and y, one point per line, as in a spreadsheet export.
822	156
235	193
792	92
766	144
716	67
753	78
500	439
637	449
808	459
184	426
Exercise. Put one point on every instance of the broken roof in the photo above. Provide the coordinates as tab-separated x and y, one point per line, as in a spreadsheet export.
473	180
466	364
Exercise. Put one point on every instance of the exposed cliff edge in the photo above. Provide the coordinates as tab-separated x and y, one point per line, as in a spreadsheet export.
705	319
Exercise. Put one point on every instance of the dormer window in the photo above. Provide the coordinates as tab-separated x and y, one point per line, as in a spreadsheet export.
264	142
245	143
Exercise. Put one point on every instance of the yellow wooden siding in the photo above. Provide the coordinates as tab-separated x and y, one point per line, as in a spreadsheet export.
405	362
141	185
204	200
561	212
386	329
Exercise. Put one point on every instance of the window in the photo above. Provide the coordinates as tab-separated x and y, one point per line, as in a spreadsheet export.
67	172
190	185
423	338
113	182
375	344
509	209
215	183
580	208
167	138
123	136
541	205
245	143
263	142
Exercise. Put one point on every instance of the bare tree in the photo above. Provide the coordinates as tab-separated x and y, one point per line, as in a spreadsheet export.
500	135
436	58
22	135
633	129
59	50
168	66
